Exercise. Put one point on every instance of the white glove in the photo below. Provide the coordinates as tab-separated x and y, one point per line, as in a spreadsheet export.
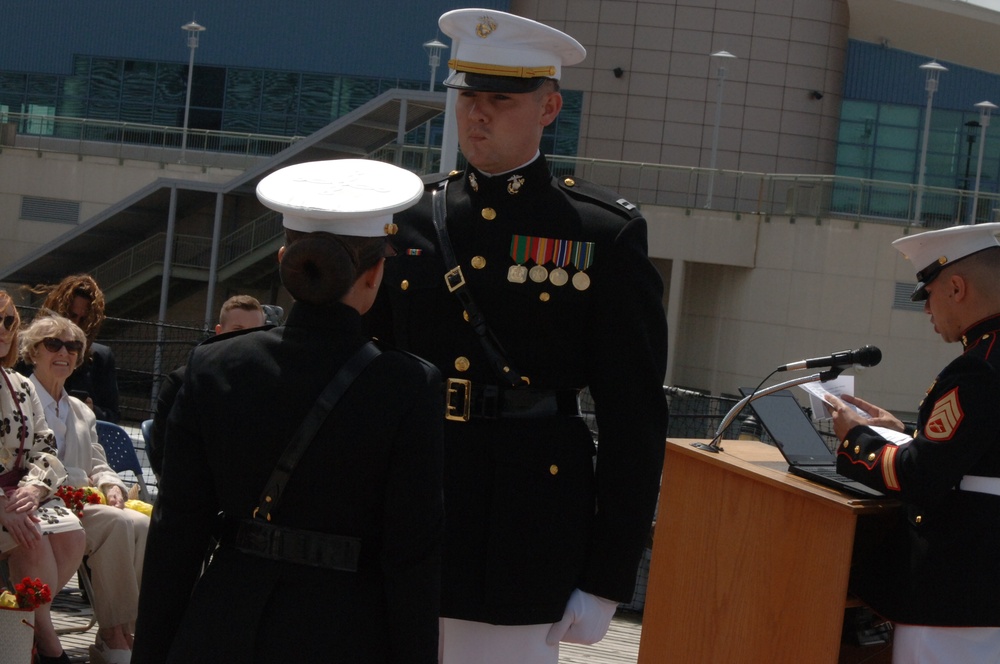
586	620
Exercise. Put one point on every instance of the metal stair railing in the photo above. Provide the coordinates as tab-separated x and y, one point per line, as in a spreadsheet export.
193	251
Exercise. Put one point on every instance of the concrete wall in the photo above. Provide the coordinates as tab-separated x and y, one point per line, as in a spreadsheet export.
662	108
95	182
759	292
952	30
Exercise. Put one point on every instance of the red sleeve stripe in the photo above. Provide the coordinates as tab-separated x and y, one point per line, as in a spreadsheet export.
888	463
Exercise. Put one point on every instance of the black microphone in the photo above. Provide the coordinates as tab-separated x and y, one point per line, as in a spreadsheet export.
681	392
866	356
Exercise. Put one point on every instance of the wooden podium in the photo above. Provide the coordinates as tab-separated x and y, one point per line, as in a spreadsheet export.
750	563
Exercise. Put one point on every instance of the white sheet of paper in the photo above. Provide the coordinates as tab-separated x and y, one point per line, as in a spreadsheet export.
893	436
817	391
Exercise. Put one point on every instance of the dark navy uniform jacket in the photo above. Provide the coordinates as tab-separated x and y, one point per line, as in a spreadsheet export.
527	518
373	472
944	567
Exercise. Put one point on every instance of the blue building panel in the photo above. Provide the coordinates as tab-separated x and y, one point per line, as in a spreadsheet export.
380	38
261	67
886	75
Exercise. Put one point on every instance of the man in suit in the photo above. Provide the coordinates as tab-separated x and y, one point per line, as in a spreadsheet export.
549	291
239	312
940	581
345	567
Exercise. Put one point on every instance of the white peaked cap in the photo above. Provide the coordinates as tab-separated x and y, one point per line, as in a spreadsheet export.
497	51
343	196
932	251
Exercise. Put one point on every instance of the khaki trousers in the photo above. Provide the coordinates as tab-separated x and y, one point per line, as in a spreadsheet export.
116	543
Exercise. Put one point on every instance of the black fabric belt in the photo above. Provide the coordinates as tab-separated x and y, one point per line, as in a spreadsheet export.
465	400
292	545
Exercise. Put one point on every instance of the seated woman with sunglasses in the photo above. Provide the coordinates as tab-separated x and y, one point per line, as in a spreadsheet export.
40	538
116	537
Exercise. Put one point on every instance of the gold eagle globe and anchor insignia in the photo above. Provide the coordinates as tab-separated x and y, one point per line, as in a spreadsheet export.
514	184
485	27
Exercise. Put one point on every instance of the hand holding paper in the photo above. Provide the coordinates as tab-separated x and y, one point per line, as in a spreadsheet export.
878	416
838	387
846	416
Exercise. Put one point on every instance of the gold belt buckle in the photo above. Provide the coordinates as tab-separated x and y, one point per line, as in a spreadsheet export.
454	279
452	386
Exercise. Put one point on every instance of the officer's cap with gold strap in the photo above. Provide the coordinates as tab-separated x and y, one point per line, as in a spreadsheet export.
493	51
933	251
343	196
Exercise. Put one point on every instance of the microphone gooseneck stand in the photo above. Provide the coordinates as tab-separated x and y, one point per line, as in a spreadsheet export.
714	446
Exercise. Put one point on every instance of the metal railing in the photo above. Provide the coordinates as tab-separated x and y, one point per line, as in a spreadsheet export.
740	192
193	251
746	192
812	196
130	140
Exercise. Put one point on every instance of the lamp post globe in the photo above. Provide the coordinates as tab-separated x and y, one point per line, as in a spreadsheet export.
193	31
723	57
933	72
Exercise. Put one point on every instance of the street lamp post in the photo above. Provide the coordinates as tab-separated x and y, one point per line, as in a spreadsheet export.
933	71
194	31
723	57
971	129
434	48
985	108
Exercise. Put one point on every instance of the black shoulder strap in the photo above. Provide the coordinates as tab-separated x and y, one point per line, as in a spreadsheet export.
455	281
306	432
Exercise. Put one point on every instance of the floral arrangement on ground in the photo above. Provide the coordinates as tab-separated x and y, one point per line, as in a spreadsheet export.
28	595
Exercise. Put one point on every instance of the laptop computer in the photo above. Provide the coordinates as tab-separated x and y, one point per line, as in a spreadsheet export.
802	446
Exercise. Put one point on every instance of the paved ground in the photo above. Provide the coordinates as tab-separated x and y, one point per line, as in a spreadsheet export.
620	646
70	610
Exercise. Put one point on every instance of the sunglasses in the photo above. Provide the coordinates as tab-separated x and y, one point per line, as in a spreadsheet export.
54	345
8	321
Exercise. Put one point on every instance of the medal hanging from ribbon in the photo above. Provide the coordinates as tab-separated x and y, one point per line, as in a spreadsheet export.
541	253
582	255
560	257
517	273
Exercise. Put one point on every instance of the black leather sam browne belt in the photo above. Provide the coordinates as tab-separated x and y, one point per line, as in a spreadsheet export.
465	400
257	535
291	545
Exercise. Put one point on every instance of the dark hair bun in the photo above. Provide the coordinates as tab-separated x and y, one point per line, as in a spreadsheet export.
318	268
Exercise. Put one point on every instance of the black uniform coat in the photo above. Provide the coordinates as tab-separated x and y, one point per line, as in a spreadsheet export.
945	568
372	472
527	518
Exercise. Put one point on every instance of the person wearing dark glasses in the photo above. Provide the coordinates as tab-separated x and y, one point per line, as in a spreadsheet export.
79	298
115	536
30	473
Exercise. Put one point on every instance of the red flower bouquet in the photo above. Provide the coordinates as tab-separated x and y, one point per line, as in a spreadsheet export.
28	595
16	631
75	499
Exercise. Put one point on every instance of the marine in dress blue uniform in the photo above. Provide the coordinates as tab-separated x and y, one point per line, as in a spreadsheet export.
370	480
558	272
944	571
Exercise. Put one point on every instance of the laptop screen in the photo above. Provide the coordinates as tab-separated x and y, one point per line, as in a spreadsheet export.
789	426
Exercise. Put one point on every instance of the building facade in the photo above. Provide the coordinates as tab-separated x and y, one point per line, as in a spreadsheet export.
818	87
